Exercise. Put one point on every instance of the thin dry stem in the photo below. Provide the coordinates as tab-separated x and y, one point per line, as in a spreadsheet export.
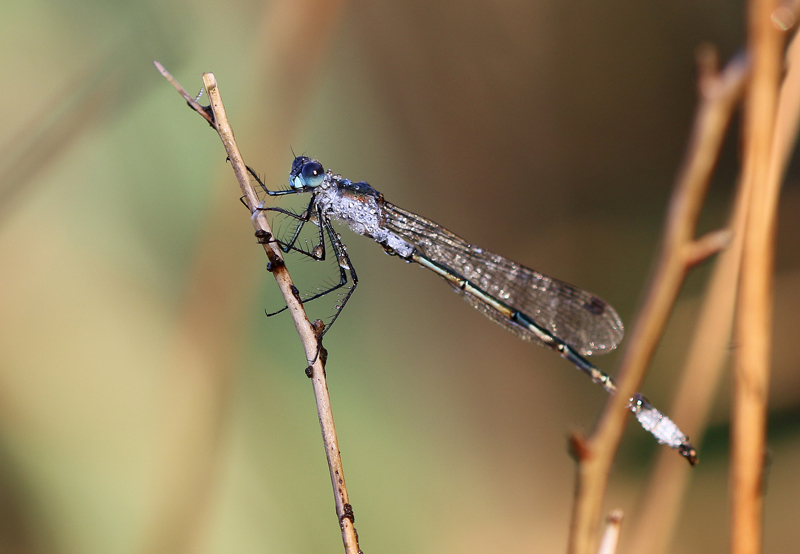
307	332
753	326
709	347
708	245
787	119
197	391
707	354
200	368
182	91
718	93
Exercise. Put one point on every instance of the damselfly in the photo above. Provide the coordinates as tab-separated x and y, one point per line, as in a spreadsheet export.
536	308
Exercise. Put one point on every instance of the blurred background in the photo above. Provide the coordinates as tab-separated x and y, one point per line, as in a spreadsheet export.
146	402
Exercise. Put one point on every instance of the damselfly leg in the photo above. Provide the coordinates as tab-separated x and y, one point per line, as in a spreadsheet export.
317	252
302	219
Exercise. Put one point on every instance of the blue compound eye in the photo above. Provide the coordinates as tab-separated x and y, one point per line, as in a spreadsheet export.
312	174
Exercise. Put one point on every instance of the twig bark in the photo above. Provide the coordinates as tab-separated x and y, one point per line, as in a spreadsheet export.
753	326
709	350
186	96
679	251
306	330
707	354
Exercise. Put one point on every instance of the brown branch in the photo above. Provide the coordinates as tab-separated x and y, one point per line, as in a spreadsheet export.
182	91
753	325
308	332
703	368
718	93
709	348
707	245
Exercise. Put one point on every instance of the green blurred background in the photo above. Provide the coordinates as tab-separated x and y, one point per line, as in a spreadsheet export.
146	402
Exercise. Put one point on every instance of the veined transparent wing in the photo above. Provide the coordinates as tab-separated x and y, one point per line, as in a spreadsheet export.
577	317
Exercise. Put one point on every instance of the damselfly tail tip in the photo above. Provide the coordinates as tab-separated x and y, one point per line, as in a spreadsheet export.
687	451
661	427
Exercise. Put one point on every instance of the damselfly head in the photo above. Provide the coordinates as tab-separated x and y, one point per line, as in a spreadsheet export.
306	173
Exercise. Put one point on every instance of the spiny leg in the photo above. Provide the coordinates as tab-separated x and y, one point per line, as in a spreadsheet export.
343	263
302	219
271	192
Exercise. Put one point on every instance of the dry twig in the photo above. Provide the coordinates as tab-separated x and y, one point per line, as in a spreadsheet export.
306	330
186	96
709	347
753	326
679	251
